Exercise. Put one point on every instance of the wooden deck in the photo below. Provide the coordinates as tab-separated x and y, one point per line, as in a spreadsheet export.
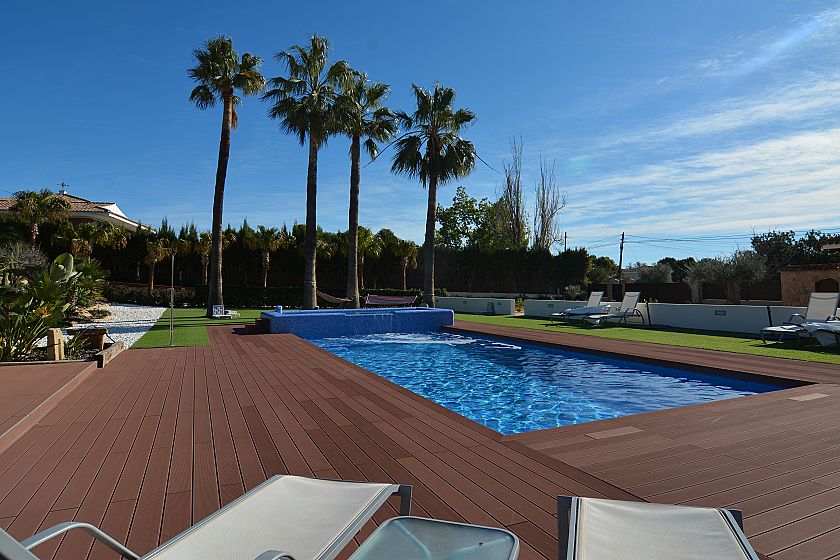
29	391
776	455
161	438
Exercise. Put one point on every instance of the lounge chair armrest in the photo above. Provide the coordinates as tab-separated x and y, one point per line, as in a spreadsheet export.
62	528
274	555
796	319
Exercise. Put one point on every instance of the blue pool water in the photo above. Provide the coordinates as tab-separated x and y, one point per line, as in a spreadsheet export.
514	388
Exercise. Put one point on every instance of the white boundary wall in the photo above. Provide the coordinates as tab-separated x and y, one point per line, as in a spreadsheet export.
477	305
545	307
732	318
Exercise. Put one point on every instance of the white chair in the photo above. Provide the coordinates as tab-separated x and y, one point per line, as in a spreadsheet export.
286	517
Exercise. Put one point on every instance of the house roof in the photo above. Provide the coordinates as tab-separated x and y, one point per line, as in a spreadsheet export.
84	208
77	204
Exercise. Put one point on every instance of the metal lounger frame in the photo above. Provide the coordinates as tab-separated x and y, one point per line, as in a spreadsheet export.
567	511
404	491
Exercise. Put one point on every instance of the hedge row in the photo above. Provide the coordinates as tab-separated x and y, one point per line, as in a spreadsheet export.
235	296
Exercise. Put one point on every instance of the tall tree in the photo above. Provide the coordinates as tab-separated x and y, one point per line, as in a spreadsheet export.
433	151
266	241
361	115
37	207
221	75
549	201
514	214
304	103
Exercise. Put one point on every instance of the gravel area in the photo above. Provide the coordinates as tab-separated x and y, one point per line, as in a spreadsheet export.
127	322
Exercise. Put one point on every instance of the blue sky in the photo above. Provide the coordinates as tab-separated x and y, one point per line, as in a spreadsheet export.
686	124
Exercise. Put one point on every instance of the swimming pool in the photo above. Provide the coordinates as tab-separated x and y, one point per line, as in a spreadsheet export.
514	388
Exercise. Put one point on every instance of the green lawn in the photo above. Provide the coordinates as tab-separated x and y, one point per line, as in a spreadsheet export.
725	342
190	327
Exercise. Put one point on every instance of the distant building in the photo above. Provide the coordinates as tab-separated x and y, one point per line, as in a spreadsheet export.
83	210
799	281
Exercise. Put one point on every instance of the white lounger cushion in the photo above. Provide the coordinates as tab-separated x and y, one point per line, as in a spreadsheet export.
308	518
613	530
583	310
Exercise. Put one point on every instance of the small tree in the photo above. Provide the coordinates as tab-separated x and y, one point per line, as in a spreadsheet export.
660	273
266	241
369	245
742	267
156	251
34	208
695	274
408	251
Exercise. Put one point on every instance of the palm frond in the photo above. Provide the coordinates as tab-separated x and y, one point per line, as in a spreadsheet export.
202	97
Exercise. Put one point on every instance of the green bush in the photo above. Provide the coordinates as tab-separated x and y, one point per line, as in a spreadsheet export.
139	295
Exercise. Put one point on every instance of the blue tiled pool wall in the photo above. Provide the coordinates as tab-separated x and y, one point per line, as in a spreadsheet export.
354	322
513	387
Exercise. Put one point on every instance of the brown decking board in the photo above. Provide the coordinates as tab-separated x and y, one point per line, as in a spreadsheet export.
162	437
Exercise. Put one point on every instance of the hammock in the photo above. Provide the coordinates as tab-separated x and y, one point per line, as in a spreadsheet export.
332	299
389	301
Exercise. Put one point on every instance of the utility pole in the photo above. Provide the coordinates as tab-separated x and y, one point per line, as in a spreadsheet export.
565	240
620	263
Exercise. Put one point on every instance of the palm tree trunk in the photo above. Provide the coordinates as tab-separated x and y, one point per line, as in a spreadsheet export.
309	248
353	229
405	272
429	245
151	278
214	292
362	273
266	261
205	264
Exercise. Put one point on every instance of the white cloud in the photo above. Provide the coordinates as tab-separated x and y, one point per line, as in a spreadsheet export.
792	181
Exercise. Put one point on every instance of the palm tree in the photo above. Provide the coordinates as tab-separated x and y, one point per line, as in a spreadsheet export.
361	115
221	74
266	240
83	238
37	207
156	251
433	150
407	251
304	103
203	246
369	245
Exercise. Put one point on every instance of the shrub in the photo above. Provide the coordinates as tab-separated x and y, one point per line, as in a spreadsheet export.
574	292
138	294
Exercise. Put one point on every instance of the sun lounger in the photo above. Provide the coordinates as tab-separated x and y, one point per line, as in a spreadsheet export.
822	306
596	529
827	333
219	312
626	311
593	305
286	517
373	300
